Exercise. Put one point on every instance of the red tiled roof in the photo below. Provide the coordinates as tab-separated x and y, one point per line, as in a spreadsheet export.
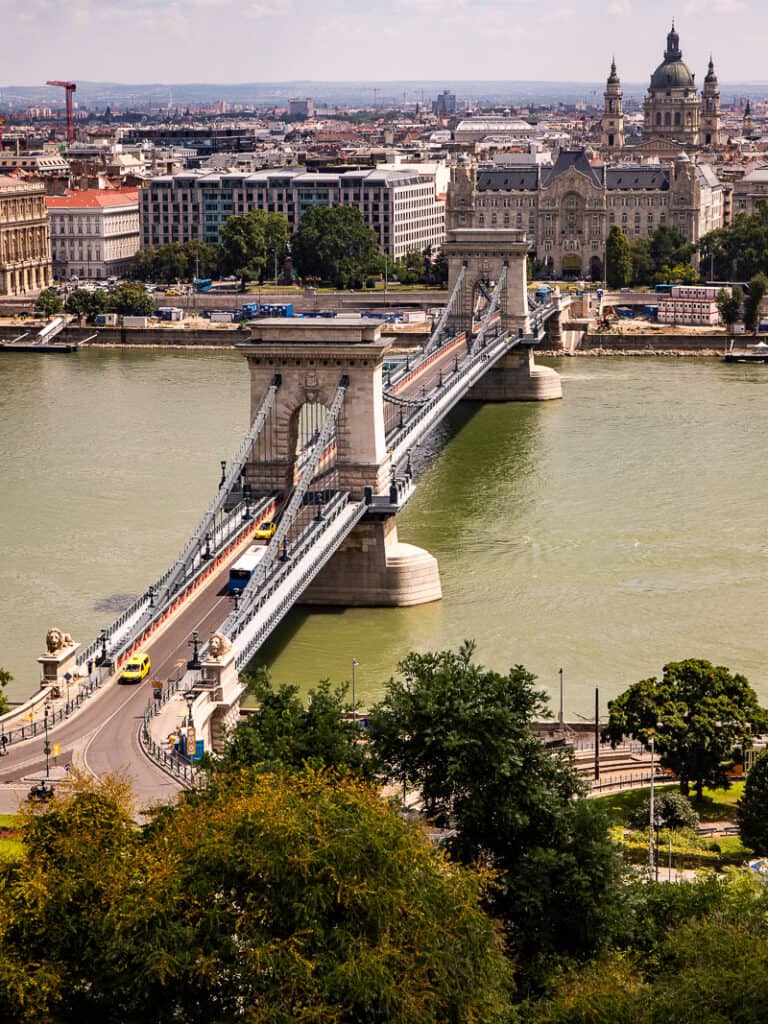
93	198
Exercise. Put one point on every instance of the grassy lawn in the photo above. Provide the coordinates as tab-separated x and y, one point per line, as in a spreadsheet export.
688	850
716	804
10	850
8	821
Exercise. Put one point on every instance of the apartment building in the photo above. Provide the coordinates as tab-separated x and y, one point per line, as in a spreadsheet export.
94	233
401	205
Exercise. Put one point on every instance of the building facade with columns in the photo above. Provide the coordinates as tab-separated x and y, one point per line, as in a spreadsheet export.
568	209
25	243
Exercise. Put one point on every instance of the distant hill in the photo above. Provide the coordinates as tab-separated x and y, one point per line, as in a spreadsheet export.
387	94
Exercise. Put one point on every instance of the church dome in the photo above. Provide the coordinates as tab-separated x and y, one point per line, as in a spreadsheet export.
673	72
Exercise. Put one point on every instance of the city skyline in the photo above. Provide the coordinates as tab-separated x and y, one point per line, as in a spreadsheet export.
221	42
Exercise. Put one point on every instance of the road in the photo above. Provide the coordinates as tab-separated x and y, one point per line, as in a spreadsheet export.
102	735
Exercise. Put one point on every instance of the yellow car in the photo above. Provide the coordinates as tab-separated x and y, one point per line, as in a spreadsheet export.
137	668
266	531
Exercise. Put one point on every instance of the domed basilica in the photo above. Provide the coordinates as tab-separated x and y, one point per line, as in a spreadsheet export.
673	110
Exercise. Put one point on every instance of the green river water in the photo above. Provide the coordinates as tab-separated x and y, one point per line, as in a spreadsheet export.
605	534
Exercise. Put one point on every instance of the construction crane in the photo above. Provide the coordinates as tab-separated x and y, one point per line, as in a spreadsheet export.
1	133
70	88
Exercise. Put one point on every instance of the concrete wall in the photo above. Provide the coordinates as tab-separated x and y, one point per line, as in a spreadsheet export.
151	336
692	344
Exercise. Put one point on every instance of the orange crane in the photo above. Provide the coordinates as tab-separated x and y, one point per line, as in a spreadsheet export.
70	88
1	133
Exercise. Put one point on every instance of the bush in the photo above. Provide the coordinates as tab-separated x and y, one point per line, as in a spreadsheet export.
674	809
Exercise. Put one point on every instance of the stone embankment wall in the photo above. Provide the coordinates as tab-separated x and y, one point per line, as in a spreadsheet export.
652	344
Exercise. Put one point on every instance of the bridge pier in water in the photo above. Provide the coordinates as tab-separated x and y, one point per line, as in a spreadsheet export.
517	378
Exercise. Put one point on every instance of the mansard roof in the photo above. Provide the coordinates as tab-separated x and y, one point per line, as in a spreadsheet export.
502	179
567	159
635	177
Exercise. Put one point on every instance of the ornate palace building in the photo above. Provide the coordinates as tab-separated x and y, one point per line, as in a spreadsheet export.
674	115
567	210
25	244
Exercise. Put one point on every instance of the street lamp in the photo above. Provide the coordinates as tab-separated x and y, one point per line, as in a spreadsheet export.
67	680
46	747
194	643
223	472
560	713
355	663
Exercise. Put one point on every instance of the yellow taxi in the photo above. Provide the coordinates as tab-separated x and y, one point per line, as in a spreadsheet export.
137	668
266	531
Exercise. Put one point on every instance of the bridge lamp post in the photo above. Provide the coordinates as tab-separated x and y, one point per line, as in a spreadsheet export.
46	747
194	643
103	637
223	472
68	681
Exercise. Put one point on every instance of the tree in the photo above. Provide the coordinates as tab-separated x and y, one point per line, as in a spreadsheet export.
669	248
758	286
48	303
333	244
697	713
462	735
729	303
82	303
284	734
5	679
740	251
753	808
270	899
177	261
131	300
674	809
618	259
249	243
642	262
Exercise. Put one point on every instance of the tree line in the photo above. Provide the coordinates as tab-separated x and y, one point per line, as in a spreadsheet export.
130	299
332	245
288	889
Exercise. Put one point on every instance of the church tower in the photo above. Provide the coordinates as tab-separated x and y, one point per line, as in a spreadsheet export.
612	135
709	134
672	108
746	123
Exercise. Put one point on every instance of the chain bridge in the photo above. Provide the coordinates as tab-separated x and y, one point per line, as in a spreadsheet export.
335	419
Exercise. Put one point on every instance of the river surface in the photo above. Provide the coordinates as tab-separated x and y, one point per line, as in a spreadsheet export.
605	534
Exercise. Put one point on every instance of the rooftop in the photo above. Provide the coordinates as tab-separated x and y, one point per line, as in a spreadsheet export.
93	199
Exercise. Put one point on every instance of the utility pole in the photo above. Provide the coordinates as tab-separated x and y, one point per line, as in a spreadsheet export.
597	734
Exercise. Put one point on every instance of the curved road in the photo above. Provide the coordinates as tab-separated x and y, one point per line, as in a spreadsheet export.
102	735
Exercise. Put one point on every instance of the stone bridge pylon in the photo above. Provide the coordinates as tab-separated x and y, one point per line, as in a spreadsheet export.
477	259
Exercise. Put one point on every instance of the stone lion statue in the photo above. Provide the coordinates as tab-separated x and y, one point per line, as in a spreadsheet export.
218	646
56	640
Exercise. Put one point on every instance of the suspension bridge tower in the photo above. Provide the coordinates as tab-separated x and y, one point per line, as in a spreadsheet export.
311	357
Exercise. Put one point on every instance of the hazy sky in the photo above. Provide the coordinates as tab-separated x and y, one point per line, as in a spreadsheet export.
278	40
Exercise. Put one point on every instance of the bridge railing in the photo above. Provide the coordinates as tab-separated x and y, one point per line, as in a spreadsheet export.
53	713
169	760
144	612
471	368
321	538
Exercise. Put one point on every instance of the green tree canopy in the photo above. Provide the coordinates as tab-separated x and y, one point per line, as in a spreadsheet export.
333	244
284	733
753	808
642	262
670	248
5	679
48	303
462	735
698	713
131	300
729	304
740	251
250	242
271	899
177	261
88	304
618	259
758	286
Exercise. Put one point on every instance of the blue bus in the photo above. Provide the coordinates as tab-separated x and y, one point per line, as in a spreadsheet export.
240	573
203	284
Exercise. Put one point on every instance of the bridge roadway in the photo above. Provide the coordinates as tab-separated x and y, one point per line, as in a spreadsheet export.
102	735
